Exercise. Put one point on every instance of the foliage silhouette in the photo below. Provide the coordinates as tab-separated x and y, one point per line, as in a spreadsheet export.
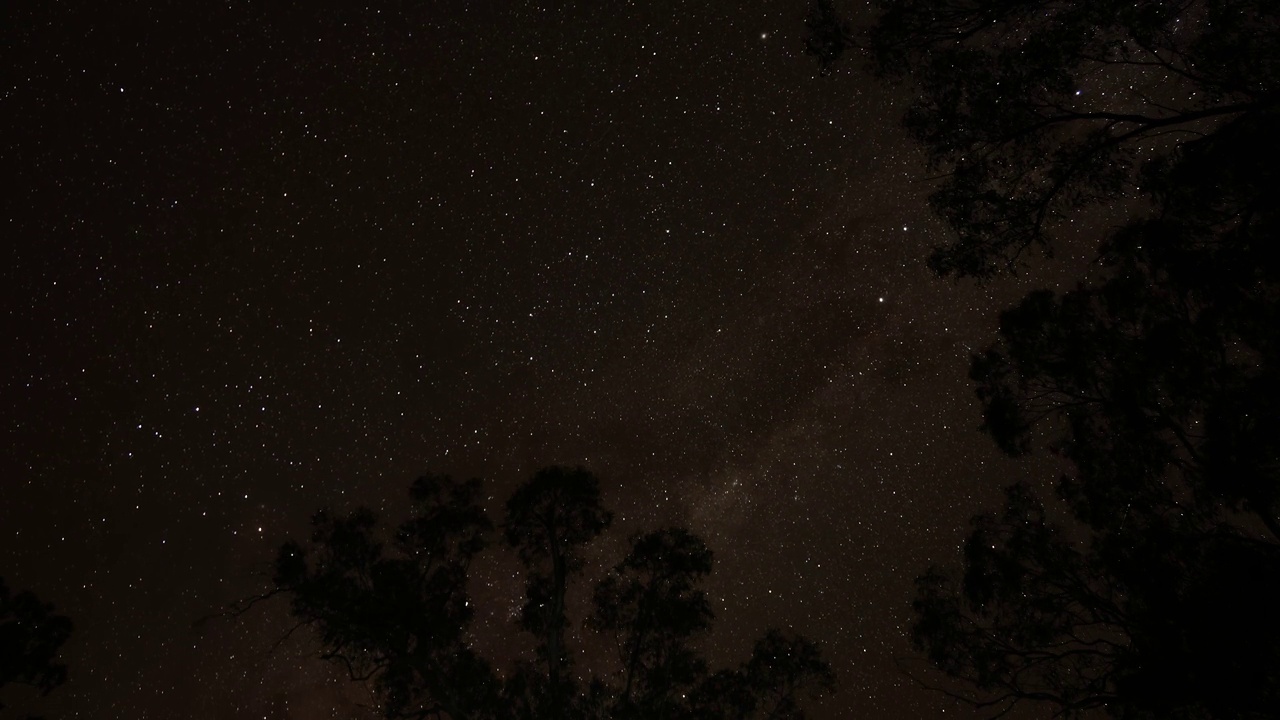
1150	588
31	634
397	614
1159	385
1034	110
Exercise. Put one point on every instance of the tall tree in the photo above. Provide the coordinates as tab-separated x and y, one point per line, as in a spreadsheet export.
549	520
397	613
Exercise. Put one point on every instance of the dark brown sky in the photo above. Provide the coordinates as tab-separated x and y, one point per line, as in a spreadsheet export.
261	261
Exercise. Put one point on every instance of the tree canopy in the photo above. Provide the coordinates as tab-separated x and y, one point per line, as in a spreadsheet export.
393	610
1033	110
1148	584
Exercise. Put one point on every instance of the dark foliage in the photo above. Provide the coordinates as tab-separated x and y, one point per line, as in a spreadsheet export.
1154	593
1159	384
31	634
397	613
1034	110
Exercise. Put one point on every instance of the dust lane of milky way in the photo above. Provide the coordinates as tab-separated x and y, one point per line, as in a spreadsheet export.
268	259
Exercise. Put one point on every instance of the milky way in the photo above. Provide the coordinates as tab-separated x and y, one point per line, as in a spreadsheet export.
267	260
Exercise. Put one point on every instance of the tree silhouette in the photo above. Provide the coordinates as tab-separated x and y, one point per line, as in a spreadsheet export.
650	602
397	614
548	520
1149	586
31	634
1159	385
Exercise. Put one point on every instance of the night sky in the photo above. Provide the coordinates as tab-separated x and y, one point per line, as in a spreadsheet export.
261	260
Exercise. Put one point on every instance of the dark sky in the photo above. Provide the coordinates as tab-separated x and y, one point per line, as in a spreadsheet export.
262	259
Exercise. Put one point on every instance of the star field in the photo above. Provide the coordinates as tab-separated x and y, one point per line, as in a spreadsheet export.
264	260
